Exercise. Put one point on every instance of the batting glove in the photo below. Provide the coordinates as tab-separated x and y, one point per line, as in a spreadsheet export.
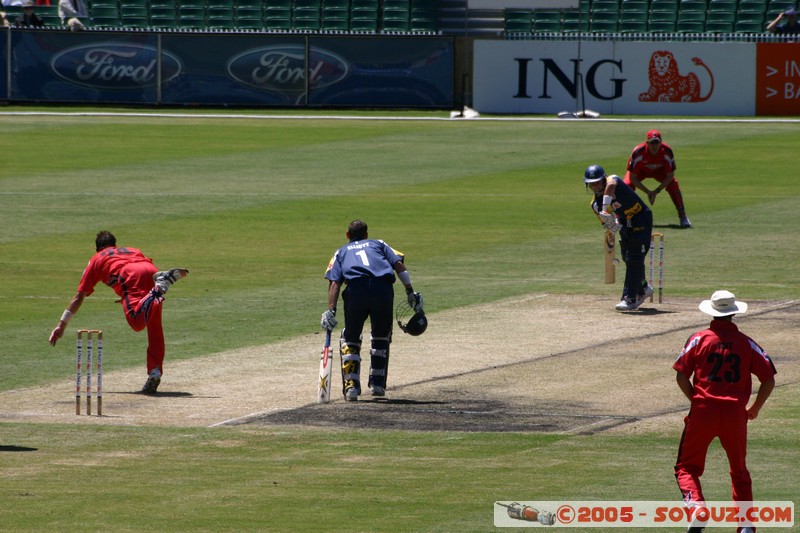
415	301
328	320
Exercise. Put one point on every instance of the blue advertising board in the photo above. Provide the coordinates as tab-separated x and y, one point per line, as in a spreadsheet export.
230	69
60	66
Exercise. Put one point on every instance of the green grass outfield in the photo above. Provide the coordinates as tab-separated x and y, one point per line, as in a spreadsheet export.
255	208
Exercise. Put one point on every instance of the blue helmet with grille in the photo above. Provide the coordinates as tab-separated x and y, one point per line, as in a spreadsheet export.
593	173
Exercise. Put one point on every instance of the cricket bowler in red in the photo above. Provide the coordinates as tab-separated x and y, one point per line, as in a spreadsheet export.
714	372
141	288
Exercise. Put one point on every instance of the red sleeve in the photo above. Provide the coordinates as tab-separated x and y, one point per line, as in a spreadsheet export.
90	277
762	365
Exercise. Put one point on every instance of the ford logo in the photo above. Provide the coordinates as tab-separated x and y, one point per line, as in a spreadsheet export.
115	65
283	68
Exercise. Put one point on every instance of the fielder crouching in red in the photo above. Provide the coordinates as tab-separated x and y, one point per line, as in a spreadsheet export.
141	288
714	372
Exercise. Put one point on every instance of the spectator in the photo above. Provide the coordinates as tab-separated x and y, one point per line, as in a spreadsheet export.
71	11
790	27
4	20
28	19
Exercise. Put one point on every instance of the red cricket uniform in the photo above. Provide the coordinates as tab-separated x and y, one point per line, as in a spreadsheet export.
130	274
722	360
646	165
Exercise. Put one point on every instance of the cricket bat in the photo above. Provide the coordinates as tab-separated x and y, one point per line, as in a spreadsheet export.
325	369
608	245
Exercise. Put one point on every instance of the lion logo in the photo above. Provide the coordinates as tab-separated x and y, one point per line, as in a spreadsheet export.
667	84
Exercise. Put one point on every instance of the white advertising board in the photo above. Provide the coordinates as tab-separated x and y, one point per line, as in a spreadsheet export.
642	78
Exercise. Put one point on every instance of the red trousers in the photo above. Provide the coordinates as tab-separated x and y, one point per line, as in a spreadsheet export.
142	302
702	425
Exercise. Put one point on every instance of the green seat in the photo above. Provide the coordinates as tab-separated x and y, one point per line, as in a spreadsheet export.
691	26
633	26
664	26
546	21
721	16
335	24
252	24
363	21
719	27
518	21
691	16
128	12
604	26
663	5
664	16
604	22
692	5
309	24
744	26
135	22
396	23
605	6
424	25
574	22
722	5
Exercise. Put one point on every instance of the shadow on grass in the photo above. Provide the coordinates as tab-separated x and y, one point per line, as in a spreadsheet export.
17	449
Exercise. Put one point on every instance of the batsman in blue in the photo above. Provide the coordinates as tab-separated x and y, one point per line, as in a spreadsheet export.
621	210
367	268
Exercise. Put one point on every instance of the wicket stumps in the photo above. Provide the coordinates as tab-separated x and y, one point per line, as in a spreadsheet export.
660	237
78	371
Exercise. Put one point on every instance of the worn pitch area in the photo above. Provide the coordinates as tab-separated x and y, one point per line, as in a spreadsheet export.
527	367
542	362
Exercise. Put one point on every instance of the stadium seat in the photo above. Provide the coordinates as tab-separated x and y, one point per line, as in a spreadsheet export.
663	5
691	16
722	5
364	21
604	22
634	6
691	26
664	26
633	26
574	22
719	26
751	17
546	21
752	6
424	16
664	16
518	21
744	26
605	6
396	20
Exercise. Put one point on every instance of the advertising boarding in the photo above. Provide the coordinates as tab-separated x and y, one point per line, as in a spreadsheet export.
643	78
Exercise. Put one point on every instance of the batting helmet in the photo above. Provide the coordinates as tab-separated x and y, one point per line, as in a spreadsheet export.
593	173
416	325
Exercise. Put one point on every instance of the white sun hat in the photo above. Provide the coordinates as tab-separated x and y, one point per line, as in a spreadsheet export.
722	303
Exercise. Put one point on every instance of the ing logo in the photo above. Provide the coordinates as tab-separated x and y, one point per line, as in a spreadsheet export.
668	85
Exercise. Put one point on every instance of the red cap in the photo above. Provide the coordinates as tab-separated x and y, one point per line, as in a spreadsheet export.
653	135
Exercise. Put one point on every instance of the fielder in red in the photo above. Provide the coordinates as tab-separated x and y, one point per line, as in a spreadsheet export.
141	288
654	159
714	371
